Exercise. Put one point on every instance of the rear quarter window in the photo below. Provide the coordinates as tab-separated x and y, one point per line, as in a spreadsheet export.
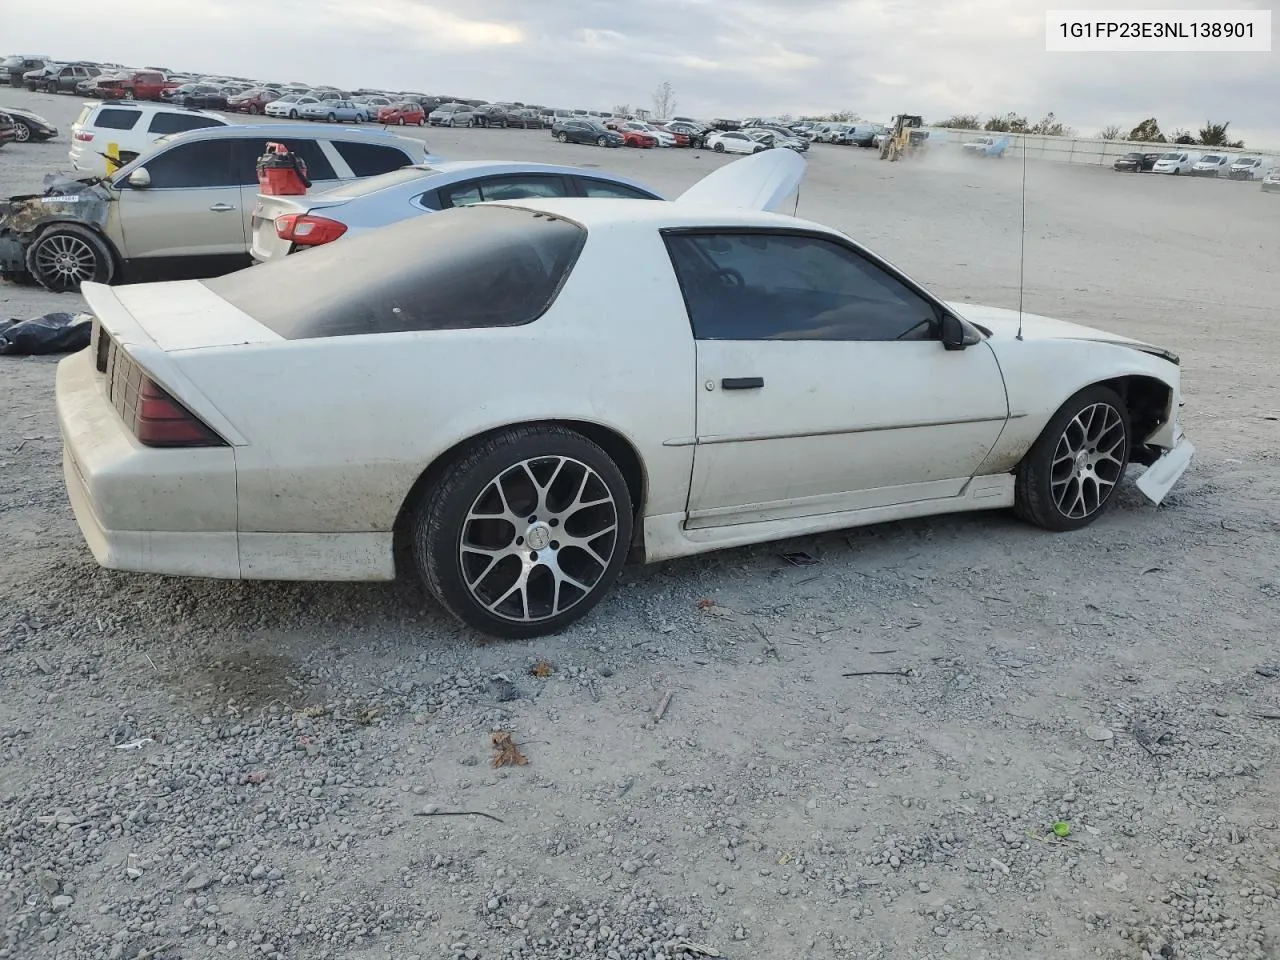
464	268
113	119
180	122
249	149
371	159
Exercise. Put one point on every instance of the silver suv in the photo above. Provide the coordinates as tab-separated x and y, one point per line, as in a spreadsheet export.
183	208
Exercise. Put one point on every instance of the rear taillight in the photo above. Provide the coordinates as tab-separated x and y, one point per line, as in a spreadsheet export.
308	231
84	137
161	421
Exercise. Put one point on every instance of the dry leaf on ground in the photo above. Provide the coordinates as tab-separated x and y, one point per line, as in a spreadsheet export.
541	669
505	752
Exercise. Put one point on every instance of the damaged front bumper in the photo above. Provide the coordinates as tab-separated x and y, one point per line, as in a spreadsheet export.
1158	479
64	200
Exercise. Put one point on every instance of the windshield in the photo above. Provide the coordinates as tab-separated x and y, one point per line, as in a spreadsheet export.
1247	162
1211	158
1170	156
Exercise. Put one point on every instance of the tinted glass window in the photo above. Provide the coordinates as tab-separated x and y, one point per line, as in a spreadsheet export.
463	268
111	119
603	188
203	164
502	188
370	159
757	286
179	122
248	150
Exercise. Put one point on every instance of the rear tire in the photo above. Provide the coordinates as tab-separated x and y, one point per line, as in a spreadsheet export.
332	117
66	255
1070	474
293	114
524	576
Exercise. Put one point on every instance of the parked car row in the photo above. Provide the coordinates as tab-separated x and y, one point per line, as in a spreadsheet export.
1196	164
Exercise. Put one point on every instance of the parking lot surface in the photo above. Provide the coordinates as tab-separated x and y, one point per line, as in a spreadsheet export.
194	768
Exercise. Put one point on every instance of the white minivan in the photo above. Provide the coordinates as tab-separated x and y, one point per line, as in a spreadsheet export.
1176	162
1212	165
131	127
1251	168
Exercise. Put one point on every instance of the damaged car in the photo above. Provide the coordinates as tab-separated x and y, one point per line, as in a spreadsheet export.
183	208
483	412
29	127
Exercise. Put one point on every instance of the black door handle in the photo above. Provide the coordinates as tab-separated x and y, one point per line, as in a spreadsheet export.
742	383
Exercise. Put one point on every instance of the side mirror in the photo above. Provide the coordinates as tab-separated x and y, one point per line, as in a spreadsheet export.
140	178
954	335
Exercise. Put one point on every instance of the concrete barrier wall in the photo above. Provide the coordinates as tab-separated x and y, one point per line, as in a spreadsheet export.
1076	150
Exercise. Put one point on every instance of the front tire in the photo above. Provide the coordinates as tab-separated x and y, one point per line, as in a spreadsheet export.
718	148
1067	479
332	117
525	532
293	114
602	141
21	132
67	255
563	138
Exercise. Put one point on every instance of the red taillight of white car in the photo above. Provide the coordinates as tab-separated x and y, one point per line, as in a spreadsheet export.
161	421
84	137
308	231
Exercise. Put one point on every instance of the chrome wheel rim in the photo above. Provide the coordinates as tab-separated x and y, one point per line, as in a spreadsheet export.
538	539
21	132
1087	461
66	259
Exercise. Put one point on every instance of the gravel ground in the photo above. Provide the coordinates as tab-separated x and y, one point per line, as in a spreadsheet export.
204	769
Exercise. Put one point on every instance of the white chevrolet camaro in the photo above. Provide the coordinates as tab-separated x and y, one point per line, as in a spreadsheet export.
484	395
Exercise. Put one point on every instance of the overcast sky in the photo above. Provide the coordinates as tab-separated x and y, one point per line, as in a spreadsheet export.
723	57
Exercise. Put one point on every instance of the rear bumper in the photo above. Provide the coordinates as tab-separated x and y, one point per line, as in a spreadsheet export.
141	508
174	511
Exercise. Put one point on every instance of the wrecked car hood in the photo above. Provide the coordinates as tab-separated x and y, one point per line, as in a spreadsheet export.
63	198
1003	325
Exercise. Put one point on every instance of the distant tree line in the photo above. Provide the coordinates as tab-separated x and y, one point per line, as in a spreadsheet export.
1148	131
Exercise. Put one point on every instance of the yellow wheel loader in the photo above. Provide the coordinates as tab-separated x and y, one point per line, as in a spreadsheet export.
906	138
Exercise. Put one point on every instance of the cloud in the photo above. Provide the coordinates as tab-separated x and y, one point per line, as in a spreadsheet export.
876	57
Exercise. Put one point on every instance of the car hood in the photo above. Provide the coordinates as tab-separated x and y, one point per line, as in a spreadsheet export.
1003	325
757	182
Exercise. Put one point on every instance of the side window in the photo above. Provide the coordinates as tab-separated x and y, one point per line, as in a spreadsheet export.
249	149
603	188
502	188
760	286
370	159
318	165
191	165
180	122
112	119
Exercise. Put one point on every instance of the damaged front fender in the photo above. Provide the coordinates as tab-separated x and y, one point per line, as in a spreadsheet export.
64	200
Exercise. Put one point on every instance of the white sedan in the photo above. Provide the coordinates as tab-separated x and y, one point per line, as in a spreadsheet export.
453	383
734	141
